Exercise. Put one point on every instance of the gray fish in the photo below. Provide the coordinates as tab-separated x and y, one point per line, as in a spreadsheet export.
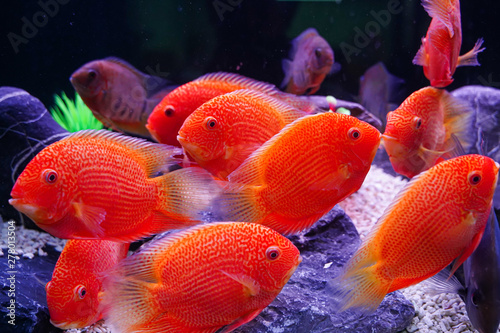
481	277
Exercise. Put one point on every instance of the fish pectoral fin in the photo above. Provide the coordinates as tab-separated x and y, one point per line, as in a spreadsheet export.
442	282
470	58
240	321
333	180
91	216
421	58
250	286
469	221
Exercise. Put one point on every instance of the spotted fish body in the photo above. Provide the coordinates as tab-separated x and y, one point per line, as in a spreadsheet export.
74	292
438	217
224	131
205	278
440	50
103	185
302	172
119	95
169	115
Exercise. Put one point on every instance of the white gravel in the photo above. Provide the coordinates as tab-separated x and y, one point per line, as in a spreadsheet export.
434	313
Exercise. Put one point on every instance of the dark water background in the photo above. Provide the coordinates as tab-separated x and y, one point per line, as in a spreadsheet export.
184	39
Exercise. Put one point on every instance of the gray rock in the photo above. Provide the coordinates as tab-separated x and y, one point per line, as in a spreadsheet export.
485	102
302	304
26	127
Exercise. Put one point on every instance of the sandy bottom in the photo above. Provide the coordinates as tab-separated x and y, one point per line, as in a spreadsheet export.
434	313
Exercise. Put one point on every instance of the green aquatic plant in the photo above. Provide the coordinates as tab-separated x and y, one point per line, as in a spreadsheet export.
73	115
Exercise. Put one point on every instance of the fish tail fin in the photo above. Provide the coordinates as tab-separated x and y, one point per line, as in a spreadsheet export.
359	287
129	295
185	194
470	58
458	121
240	203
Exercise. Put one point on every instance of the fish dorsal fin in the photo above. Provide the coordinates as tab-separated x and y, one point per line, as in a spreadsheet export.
288	112
156	157
151	84
91	216
240	80
439	9
251	287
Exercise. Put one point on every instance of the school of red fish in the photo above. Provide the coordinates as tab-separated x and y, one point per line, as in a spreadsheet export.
268	164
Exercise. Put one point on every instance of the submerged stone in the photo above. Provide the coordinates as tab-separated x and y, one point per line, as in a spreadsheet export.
26	127
302	304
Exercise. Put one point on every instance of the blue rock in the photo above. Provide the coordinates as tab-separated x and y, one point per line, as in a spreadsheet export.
26	127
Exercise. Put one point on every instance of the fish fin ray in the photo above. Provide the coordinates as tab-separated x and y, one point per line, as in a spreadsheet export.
459	121
155	156
289	226
241	80
240	321
470	58
357	287
476	239
184	193
91	216
438	9
421	58
240	202
251	287
442	282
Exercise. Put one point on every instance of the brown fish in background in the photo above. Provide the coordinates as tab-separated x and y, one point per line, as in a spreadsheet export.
312	59
118	94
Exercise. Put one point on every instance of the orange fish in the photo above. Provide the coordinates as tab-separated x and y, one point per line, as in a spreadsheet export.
100	184
194	282
302	172
420	131
119	95
312	59
73	294
224	131
438	217
440	49
169	115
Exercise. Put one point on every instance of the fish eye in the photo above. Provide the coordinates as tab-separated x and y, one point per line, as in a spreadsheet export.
169	111
92	75
273	253
317	52
418	122
210	122
475	298
354	133
50	176
80	291
474	178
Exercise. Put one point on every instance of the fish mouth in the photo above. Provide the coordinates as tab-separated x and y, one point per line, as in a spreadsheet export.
30	210
191	149
294	268
65	325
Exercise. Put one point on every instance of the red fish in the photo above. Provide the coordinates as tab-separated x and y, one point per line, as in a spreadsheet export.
169	115
302	172
103	185
438	217
439	53
74	293
422	129
224	131
312	59
213	276
119	95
